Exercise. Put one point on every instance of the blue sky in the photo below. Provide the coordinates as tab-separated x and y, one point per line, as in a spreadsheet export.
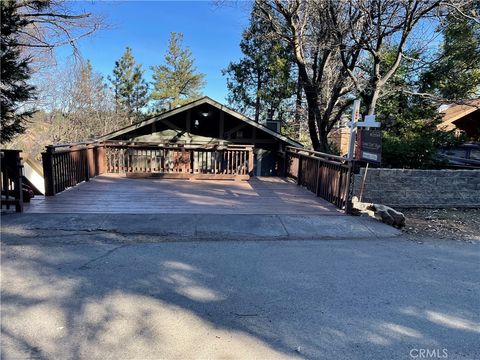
212	32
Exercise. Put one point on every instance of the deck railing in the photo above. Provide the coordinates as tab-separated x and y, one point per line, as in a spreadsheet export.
67	165
328	176
214	162
11	179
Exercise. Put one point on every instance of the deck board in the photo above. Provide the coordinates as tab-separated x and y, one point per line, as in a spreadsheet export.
117	194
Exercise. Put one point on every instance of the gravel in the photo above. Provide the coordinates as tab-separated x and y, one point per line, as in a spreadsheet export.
455	224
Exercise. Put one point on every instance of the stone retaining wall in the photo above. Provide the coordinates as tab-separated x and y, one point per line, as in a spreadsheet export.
420	188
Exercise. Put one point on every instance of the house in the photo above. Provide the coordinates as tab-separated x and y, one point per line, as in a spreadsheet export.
462	118
206	122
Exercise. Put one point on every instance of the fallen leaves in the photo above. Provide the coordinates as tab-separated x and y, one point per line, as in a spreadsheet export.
456	224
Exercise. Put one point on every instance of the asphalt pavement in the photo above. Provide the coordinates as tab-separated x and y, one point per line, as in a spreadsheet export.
101	293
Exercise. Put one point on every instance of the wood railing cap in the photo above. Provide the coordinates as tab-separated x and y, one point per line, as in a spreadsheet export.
317	154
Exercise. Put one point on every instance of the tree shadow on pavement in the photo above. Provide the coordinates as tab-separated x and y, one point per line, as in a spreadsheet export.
306	299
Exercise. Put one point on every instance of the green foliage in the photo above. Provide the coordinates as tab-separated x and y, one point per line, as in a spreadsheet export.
177	81
410	136
15	73
415	150
262	80
456	75
129	87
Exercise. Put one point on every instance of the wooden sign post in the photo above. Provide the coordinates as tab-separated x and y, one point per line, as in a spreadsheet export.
368	141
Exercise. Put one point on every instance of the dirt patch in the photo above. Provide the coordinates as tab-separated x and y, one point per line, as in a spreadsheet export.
455	224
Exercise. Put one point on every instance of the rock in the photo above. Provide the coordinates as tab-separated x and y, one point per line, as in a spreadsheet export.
362	206
388	215
381	212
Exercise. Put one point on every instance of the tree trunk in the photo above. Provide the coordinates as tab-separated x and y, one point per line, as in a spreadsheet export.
312	129
373	101
257	108
257	99
298	108
322	130
376	86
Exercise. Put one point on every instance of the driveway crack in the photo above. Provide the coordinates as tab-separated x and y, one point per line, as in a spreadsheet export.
104	255
283	225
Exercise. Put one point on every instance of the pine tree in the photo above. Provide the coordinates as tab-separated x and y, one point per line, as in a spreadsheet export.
129	87
260	81
456	76
177	81
15	73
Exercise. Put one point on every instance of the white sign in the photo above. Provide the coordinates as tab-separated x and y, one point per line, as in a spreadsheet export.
369	121
370	156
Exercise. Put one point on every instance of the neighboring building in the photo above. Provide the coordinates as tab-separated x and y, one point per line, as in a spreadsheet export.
339	137
462	118
207	122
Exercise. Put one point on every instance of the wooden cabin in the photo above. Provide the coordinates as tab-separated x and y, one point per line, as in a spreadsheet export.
462	118
206	122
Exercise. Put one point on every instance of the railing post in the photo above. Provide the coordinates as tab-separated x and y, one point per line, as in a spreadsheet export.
91	160
299	172
86	162
18	182
250	161
192	161
11	179
285	162
47	160
317	190
100	158
340	186
184	160
348	202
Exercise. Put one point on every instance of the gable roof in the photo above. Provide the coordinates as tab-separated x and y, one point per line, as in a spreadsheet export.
456	112
203	100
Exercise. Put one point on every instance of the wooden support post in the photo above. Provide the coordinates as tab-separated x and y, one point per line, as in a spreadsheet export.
348	202
317	190
101	159
299	172
340	186
47	160
19	185
221	127
91	160
250	161
188	126
85	158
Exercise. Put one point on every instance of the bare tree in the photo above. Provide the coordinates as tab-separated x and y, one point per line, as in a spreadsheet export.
52	23
339	47
77	103
464	9
388	25
317	32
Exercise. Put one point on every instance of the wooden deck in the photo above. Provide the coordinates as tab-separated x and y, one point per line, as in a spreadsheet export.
116	194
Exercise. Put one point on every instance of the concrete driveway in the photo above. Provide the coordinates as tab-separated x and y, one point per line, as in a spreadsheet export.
85	296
